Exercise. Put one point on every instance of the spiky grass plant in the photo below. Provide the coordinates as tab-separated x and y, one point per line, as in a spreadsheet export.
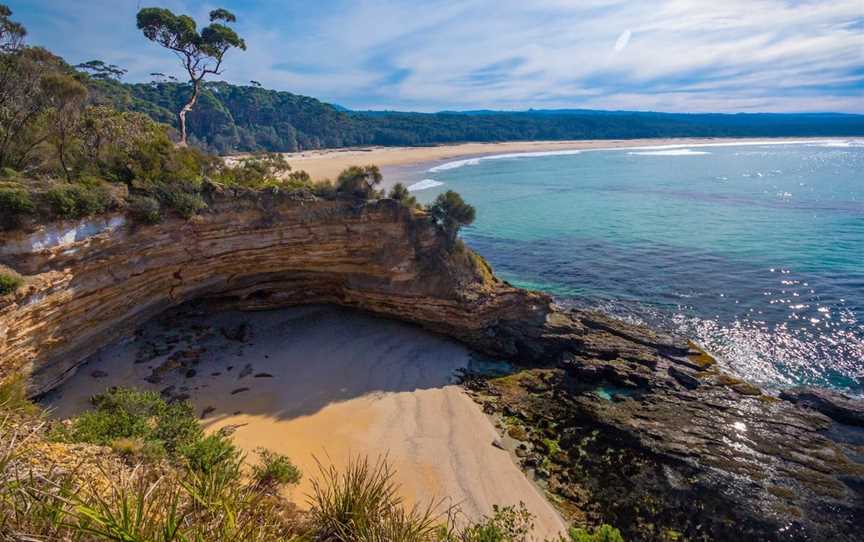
362	503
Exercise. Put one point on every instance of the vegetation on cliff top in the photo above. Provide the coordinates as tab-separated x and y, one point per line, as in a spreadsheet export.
451	212
66	152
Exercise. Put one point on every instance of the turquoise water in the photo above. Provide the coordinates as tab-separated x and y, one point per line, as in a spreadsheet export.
755	251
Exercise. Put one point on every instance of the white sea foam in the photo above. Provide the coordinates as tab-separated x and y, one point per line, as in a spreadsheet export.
761	143
842	144
455	164
474	161
425	184
671	152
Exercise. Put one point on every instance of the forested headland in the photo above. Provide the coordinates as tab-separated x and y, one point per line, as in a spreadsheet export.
233	118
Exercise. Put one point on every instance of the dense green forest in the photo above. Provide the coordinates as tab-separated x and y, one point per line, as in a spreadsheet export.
232	118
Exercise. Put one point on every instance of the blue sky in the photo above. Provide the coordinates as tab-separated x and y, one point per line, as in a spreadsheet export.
671	55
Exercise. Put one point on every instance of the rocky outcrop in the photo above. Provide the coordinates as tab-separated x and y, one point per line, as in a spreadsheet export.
712	457
92	282
836	406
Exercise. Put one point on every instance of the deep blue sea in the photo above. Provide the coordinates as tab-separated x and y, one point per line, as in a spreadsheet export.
756	251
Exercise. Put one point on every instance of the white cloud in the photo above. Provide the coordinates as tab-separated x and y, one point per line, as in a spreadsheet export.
622	41
771	55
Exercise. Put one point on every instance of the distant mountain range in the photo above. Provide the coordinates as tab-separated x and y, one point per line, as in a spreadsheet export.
231	118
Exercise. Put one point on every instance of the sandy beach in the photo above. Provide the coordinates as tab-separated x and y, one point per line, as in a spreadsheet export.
328	163
328	383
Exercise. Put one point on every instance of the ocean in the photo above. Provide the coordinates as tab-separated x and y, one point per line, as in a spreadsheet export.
755	251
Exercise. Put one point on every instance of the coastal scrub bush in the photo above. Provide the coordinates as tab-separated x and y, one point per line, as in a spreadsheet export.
603	533
274	470
182	198
360	181
206	454
324	189
15	202
402	195
78	200
254	171
9	281
133	414
451	212
144	209
506	524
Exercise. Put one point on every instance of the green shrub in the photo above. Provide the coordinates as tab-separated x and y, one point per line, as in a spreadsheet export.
264	171
183	199
402	195
206	454
78	200
144	209
552	446
506	524
133	414
9	282
324	189
275	470
15	202
360	181
604	533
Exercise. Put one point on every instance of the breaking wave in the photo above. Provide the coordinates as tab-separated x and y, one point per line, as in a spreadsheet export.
425	184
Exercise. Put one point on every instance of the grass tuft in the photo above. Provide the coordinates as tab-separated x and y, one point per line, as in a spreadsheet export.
9	282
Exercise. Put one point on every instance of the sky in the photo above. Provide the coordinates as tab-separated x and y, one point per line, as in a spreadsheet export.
432	55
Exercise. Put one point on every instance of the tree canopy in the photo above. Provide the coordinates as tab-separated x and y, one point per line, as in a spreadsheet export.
401	194
451	212
201	53
360	181
100	70
11	33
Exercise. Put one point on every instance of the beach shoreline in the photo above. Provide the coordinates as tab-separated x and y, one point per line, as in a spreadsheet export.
328	163
291	381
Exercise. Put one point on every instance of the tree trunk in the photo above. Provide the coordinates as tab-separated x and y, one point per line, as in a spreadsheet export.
181	116
61	151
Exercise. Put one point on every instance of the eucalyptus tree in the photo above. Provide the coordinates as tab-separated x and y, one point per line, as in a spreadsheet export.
451	212
98	69
201	53
65	100
11	33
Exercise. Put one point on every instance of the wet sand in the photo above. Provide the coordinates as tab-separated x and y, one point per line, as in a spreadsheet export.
330	383
328	163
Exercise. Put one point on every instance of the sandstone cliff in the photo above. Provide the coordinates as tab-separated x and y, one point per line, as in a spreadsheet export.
709	455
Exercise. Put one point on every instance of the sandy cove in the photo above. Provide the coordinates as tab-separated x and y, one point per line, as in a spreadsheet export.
328	163
329	383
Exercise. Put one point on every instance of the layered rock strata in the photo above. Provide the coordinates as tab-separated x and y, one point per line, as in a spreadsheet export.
716	456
